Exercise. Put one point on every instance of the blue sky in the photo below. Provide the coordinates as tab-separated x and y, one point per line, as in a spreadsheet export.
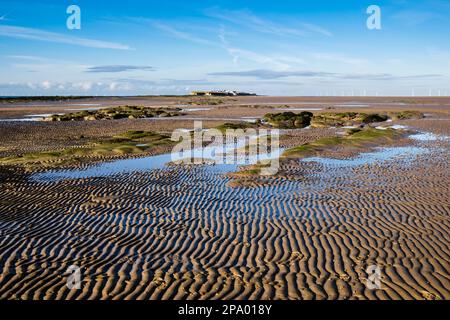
276	48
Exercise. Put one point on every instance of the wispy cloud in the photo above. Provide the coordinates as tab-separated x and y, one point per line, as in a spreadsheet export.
247	19
237	54
281	62
339	58
181	34
412	17
44	65
26	57
3	16
42	35
118	68
272	74
317	29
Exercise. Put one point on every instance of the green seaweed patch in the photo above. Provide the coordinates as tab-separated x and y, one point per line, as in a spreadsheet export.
128	143
254	169
114	113
288	120
340	119
248	176
237	126
406	115
205	102
354	139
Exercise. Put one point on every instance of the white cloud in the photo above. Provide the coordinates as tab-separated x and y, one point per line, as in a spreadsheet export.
181	34
249	20
339	58
46	84
41	35
237	54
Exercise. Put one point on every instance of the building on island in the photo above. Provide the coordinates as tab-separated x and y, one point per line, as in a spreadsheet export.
221	93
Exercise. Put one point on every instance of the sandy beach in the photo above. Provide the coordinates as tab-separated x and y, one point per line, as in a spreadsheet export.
140	229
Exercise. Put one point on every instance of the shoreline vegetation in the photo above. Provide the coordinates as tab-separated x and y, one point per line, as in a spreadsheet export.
291	120
114	113
137	143
353	138
207	101
130	143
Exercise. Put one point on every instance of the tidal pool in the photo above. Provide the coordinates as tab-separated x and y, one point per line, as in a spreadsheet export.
381	154
230	160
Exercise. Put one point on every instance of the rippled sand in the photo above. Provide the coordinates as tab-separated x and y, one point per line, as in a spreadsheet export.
183	233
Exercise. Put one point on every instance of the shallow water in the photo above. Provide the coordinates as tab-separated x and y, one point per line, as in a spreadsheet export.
195	109
106	168
395	127
225	156
86	109
41	115
352	105
298	109
382	154
428	136
21	120
230	159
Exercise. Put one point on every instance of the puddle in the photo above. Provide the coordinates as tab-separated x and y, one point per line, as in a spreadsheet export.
42	115
428	136
249	119
351	105
106	169
228	152
195	109
21	120
382	154
85	109
298	109
395	127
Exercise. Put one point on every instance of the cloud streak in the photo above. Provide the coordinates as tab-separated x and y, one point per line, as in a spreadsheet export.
117	68
273	74
42	35
247	19
181	34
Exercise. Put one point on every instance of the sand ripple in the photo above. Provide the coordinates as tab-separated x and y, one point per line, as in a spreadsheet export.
184	234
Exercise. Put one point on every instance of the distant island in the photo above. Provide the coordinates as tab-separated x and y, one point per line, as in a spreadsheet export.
221	93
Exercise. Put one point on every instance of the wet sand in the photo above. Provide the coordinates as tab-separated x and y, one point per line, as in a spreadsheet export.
184	233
